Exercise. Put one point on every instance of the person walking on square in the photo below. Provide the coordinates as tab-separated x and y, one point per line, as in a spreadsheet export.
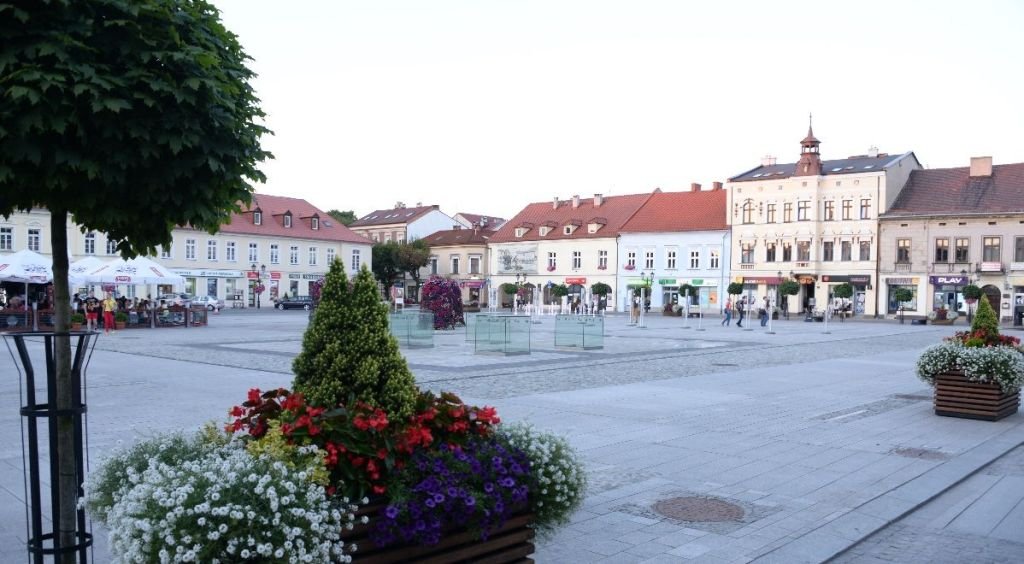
764	312
109	307
728	312
92	313
741	306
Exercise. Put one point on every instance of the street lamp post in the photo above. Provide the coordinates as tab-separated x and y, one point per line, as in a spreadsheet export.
646	279
520	280
259	274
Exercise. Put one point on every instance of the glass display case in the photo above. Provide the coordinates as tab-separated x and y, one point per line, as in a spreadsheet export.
502	334
414	329
581	331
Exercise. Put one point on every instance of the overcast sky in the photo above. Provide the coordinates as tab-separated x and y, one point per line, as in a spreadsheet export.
484	106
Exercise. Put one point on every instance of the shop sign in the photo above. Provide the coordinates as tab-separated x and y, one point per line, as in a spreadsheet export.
697	282
858	279
943	280
762	280
211	273
991	267
667	282
805	279
275	275
249	274
573	281
472	284
901	281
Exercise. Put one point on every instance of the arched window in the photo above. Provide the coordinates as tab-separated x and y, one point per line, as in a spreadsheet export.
748	211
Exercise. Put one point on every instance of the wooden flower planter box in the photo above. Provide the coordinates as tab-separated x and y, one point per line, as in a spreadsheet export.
511	543
956	396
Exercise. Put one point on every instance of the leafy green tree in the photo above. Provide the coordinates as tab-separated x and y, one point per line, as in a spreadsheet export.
132	116
972	292
735	288
687	290
559	290
902	295
413	256
508	288
789	288
844	290
386	265
985	319
348	353
347	217
599	289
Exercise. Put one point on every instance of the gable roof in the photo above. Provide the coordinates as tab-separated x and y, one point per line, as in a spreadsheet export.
393	216
450	237
851	165
484	221
680	211
952	191
274	207
613	213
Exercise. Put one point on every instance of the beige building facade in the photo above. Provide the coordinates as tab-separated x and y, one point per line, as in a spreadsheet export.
462	255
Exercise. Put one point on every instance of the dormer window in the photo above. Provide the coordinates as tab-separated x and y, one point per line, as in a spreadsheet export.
544	230
568	229
520	231
593	227
288	220
315	223
257	217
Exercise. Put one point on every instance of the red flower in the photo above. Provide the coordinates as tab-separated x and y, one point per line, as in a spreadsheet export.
254	395
236	411
378	489
488	414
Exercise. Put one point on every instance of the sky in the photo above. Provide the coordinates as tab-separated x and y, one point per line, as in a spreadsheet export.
484	106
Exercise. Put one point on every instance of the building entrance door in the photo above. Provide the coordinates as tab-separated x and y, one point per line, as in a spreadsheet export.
994	297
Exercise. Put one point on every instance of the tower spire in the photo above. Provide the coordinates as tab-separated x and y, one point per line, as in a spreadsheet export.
810	160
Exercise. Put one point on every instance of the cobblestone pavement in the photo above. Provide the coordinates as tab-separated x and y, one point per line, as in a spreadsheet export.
980	520
821	438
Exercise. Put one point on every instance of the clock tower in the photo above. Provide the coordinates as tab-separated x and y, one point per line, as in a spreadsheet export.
810	160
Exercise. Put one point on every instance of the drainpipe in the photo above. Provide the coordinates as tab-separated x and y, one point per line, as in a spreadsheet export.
878	246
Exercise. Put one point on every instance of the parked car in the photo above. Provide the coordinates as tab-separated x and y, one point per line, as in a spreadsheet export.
297	302
174	299
210	302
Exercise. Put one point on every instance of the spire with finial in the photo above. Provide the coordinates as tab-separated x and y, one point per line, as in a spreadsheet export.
810	160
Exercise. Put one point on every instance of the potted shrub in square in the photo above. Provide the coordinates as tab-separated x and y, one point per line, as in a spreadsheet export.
976	374
77	319
120	320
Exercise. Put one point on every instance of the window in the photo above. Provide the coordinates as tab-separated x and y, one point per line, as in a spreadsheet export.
631	259
275	257
803	250
257	218
830	210
963	246
567	230
865	250
293	254
649	258
846	251
254	252
387	237
714	259
787	212
111	246
330	256
355	259
802	209
695	259
670	259
33	240
190	249
229	252
747	253
7	240
828	250
287	220
376	237
552	260
787	252
455	264
769	252
847	209
602	260
433	266
771	213
474	264
577	259
520	231
748	212
314	223
313	252
865	209
942	250
1018	249
903	250
165	252
990	249
211	250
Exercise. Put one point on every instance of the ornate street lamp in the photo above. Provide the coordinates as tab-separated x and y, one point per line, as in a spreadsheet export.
259	274
646	279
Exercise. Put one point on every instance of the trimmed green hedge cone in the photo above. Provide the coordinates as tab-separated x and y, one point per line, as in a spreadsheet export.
985	318
348	353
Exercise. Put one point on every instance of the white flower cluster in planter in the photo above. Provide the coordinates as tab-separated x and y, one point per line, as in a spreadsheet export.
558	480
1001	365
221	504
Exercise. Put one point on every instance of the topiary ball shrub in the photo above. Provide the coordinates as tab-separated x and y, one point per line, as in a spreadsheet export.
443	297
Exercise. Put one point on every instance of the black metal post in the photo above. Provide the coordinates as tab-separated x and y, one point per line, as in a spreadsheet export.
42	544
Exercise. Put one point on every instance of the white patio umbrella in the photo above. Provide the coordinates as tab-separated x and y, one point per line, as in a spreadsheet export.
81	267
139	270
26	267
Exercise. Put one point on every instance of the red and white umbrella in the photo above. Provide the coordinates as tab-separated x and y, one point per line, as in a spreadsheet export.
139	270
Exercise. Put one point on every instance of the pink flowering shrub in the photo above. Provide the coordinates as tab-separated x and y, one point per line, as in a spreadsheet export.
443	298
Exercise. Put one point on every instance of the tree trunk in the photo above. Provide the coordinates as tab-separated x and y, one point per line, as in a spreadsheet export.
69	481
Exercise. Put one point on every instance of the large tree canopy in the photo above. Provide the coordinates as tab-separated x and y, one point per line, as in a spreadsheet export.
134	116
347	217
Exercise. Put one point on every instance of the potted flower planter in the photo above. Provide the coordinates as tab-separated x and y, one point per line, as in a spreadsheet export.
120	320
956	396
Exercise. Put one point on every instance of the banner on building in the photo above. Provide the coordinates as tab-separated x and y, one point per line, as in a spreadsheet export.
515	259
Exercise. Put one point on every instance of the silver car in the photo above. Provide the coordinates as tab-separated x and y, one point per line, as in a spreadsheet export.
210	302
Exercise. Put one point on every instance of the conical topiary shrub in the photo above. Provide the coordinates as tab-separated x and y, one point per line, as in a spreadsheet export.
348	353
985	318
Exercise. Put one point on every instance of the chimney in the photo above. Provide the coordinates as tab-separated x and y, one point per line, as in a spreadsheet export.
981	166
872	151
694	187
575	201
555	205
767	160
716	185
399	205
598	200
476	229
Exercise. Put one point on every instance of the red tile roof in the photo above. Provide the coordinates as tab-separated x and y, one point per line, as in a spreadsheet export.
680	211
458	237
952	191
393	216
613	212
273	209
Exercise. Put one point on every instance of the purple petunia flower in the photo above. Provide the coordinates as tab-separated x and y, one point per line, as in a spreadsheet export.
391	512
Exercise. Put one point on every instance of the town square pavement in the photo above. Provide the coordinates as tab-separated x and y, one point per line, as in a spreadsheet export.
702	444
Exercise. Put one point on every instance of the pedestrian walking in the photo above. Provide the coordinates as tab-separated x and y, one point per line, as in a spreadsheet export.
764	312
741	306
728	312
109	307
92	313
